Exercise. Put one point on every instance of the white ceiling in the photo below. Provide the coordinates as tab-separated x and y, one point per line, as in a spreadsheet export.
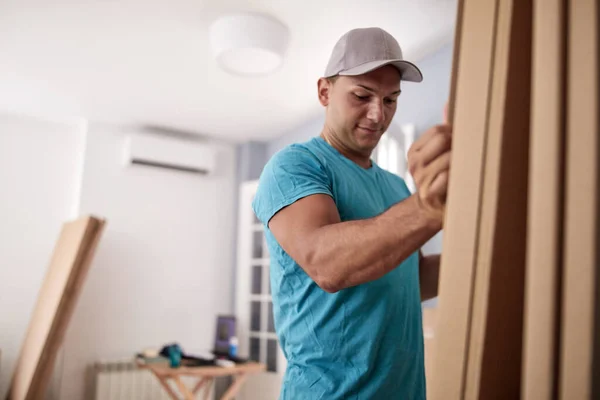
148	62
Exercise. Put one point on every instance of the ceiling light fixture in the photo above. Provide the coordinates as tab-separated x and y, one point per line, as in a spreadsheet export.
249	44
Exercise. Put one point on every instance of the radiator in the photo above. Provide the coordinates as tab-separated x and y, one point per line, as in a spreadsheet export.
123	380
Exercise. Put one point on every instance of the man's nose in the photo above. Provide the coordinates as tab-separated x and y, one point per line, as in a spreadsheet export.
375	112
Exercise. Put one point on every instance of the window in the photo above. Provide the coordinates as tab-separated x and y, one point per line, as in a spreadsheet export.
387	154
391	153
254	306
263	341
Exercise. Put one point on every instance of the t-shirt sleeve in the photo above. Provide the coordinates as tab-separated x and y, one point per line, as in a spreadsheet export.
291	174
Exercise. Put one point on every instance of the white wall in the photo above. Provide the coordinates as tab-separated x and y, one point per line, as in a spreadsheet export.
40	171
162	271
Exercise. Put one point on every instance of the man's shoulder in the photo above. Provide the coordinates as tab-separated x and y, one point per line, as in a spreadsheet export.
293	172
308	149
296	157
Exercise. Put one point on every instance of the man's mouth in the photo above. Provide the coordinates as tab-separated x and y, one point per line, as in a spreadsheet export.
369	130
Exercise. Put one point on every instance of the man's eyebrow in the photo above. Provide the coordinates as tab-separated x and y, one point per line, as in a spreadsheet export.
373	90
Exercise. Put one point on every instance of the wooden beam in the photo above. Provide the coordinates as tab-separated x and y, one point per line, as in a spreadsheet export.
455	57
56	302
544	225
581	200
494	365
473	71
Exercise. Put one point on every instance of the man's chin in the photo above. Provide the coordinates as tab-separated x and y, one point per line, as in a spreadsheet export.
366	150
368	143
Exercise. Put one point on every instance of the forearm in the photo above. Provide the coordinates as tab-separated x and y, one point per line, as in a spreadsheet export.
429	275
349	253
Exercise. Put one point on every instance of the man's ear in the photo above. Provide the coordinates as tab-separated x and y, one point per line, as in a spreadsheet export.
324	86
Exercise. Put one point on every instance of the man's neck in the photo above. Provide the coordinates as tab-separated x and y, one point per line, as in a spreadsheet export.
362	160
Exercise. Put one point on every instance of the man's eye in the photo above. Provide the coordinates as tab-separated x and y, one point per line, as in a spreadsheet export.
361	97
390	101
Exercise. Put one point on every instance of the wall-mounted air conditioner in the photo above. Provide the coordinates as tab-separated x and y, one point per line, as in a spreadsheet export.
169	153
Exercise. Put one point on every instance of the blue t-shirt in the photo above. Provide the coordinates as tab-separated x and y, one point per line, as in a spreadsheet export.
363	342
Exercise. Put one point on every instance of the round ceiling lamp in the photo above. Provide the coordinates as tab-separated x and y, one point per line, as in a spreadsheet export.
249	44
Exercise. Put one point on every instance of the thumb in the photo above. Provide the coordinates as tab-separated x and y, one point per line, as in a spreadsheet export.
446	113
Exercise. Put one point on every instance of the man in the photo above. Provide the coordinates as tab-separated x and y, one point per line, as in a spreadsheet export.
344	235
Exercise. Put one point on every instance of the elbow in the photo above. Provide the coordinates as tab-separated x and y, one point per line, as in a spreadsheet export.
328	285
325	280
320	273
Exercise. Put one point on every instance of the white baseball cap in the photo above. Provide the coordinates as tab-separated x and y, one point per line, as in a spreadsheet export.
365	49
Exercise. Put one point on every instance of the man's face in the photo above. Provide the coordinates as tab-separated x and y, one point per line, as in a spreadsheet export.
360	108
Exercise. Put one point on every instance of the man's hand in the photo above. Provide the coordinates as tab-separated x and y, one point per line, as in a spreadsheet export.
429	164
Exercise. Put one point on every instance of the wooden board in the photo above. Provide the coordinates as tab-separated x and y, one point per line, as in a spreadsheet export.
581	200
469	115
494	365
544	225
55	305
455	58
429	328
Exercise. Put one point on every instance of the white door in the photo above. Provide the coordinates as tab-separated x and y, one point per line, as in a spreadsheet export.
256	333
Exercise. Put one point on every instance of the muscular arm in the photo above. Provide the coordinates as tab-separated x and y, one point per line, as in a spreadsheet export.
337	255
429	274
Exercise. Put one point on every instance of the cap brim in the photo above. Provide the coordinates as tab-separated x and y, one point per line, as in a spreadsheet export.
408	71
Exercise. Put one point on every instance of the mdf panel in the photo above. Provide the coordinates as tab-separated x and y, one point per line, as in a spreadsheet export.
469	115
581	199
56	301
495	348
544	224
429	327
455	58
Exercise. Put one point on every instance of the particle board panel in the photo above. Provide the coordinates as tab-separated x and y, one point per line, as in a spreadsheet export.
596	347
494	364
56	302
544	224
581	199
469	115
455	57
429	326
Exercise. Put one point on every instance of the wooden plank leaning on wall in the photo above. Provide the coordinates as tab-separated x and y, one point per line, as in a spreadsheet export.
544	225
494	363
472	71
56	302
581	204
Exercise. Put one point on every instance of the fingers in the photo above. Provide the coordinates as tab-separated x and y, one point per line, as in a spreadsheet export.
425	177
429	165
446	119
432	182
436	146
439	186
431	144
440	164
428	135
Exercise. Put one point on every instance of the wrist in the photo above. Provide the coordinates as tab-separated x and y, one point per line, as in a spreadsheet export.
433	215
